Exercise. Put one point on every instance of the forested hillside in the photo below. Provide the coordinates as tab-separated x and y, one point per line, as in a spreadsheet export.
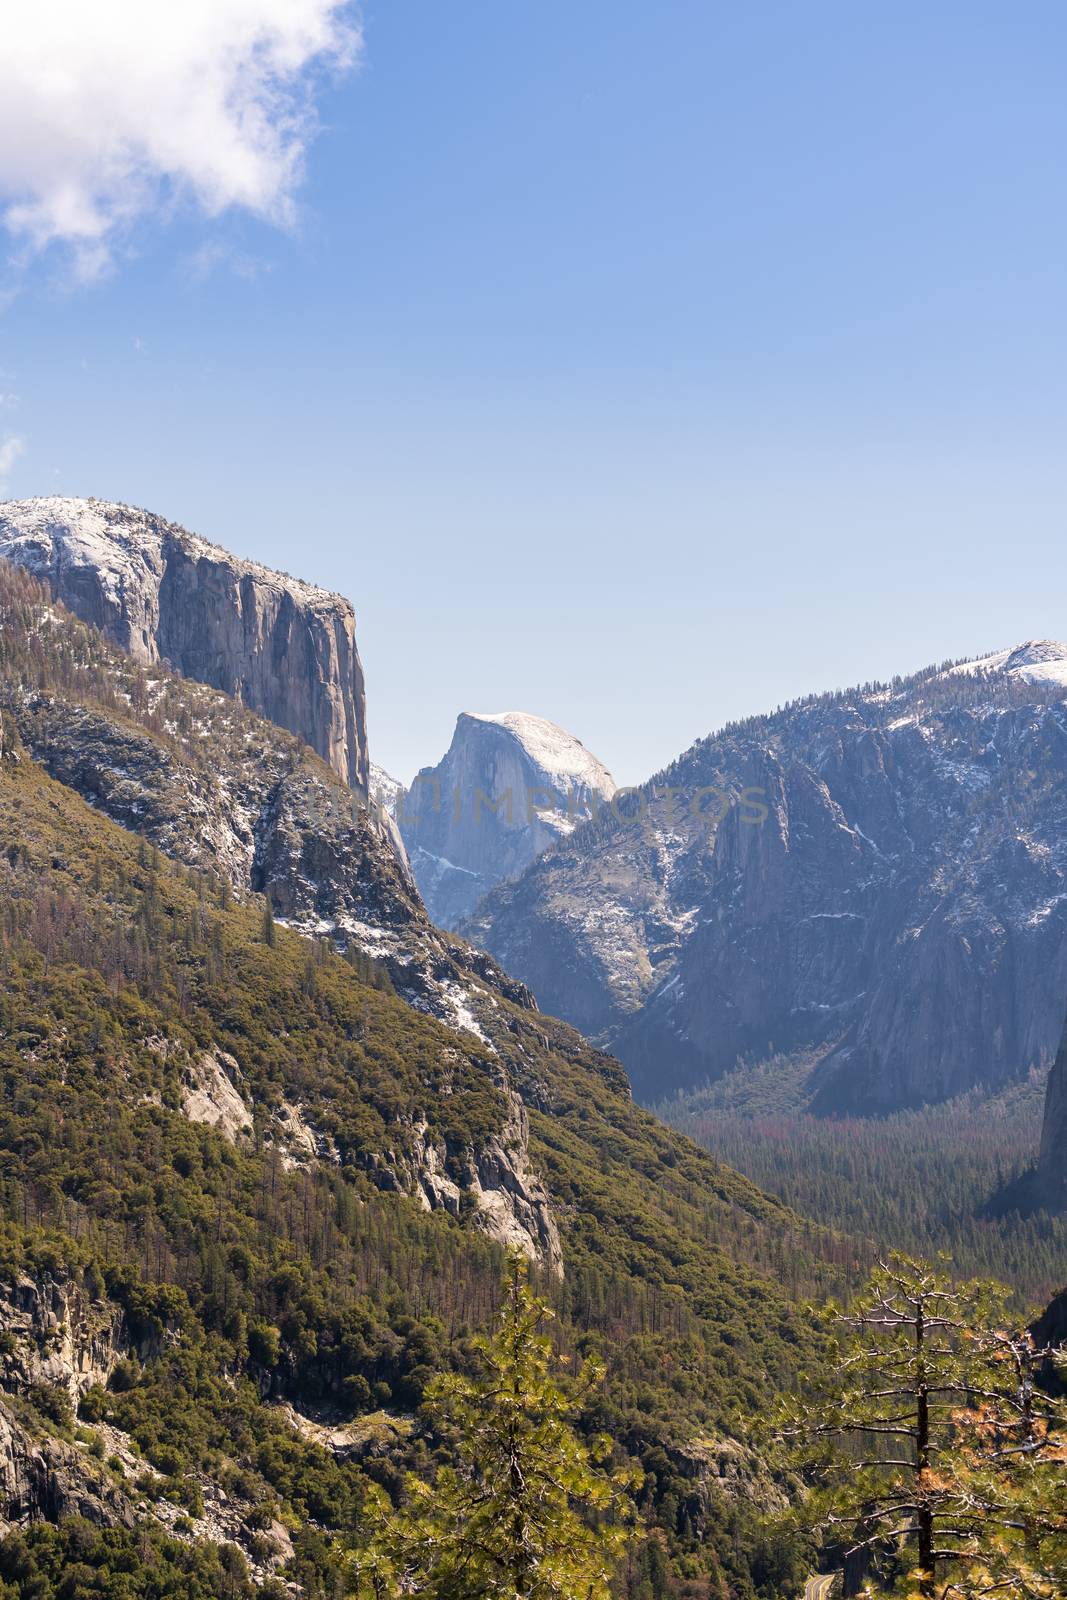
289	1187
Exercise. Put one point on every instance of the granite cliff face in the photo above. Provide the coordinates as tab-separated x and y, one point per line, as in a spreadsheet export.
286	649
878	876
509	785
495	1184
55	1337
58	1338
1052	1160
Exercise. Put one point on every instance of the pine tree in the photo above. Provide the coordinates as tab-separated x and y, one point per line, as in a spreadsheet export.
925	1436
528	1511
270	936
1013	1475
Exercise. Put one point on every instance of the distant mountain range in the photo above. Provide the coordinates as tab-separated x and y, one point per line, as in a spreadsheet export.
876	877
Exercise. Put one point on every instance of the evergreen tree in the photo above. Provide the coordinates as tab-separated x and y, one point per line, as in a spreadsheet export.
270	935
1013	1475
917	1432
528	1511
927	1439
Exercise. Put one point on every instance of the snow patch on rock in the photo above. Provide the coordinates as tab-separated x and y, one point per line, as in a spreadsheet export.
1038	661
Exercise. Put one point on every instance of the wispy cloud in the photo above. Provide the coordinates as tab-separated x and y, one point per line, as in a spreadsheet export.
10	450
217	256
116	109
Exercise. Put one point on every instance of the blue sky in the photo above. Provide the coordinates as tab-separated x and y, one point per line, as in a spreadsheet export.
639	366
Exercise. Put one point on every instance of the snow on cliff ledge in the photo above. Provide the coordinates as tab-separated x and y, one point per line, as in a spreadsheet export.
1038	661
118	541
287	649
563	759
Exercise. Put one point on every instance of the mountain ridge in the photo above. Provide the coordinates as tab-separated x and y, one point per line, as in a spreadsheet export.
935	802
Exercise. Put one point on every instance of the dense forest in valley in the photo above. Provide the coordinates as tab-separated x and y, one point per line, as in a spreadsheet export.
933	1180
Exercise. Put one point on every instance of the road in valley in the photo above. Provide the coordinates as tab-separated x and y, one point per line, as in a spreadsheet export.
820	1588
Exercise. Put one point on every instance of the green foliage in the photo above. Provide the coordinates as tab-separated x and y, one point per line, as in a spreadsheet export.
918	1180
77	1561
527	1509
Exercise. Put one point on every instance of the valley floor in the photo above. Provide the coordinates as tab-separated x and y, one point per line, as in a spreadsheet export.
932	1180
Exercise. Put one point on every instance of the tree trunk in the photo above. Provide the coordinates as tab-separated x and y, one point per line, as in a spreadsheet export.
924	1516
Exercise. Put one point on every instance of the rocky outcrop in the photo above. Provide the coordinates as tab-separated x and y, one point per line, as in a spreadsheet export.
510	785
57	1336
724	1467
493	1186
876	877
210	1095
45	1480
300	1142
228	798
376	1435
511	1203
285	648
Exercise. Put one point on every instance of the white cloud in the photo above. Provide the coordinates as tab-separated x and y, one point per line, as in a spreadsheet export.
10	450
115	108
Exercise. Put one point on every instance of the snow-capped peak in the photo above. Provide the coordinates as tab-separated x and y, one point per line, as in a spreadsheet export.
1038	661
562	758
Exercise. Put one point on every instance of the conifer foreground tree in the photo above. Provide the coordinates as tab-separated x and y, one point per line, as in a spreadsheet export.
1012	1466
931	1445
528	1511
